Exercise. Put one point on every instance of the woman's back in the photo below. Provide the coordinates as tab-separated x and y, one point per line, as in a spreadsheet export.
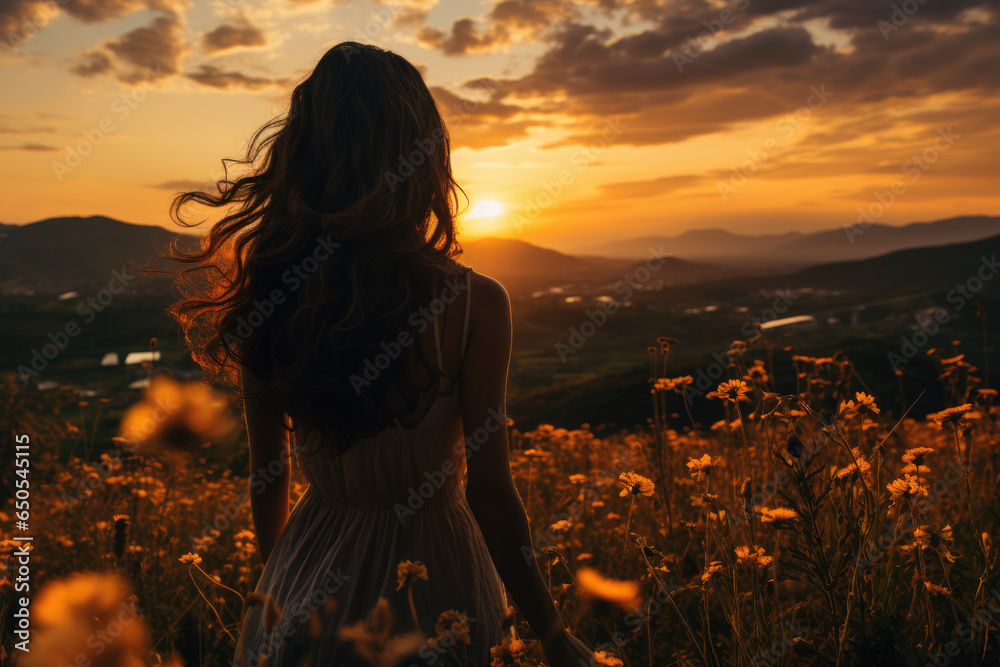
385	467
394	497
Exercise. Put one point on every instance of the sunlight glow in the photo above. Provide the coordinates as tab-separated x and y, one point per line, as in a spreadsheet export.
488	208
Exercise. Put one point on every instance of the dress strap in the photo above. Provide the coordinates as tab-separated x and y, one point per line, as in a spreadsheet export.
468	308
437	336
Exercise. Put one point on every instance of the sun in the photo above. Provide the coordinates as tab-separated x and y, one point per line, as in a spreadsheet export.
485	217
488	208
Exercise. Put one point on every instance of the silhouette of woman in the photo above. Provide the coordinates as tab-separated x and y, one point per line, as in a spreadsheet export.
329	295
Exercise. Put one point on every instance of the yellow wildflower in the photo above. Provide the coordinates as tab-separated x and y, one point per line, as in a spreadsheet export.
731	390
407	569
602	658
950	415
914	459
905	488
635	484
779	516
747	558
713	567
701	468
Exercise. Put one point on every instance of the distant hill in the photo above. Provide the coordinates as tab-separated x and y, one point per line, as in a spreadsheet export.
63	254
521	266
798	249
836	245
514	258
699	244
940	267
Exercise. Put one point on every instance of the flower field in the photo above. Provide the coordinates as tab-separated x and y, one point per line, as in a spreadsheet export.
802	527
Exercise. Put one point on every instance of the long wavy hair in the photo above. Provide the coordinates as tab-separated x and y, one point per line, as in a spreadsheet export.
332	237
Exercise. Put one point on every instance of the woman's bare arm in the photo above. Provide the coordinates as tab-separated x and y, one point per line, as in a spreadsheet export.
268	485
491	492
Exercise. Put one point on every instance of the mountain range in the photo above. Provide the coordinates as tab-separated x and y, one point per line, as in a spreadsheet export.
75	253
797	249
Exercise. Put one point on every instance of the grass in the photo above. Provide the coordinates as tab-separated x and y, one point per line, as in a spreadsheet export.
795	527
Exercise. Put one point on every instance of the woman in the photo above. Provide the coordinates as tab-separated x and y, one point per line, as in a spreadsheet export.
329	294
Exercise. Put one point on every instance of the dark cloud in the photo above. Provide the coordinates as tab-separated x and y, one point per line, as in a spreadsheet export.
26	129
479	105
649	188
463	39
185	185
232	35
477	121
152	51
147	53
525	15
848	15
41	148
409	18
216	77
21	19
682	80
95	11
585	65
93	63
509	21
407	13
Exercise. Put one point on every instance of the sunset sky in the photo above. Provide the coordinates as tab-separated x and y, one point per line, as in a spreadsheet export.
645	107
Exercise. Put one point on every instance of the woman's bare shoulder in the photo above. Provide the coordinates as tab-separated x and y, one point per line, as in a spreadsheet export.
490	301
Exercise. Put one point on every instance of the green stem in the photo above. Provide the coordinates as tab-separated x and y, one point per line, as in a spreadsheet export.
628	522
